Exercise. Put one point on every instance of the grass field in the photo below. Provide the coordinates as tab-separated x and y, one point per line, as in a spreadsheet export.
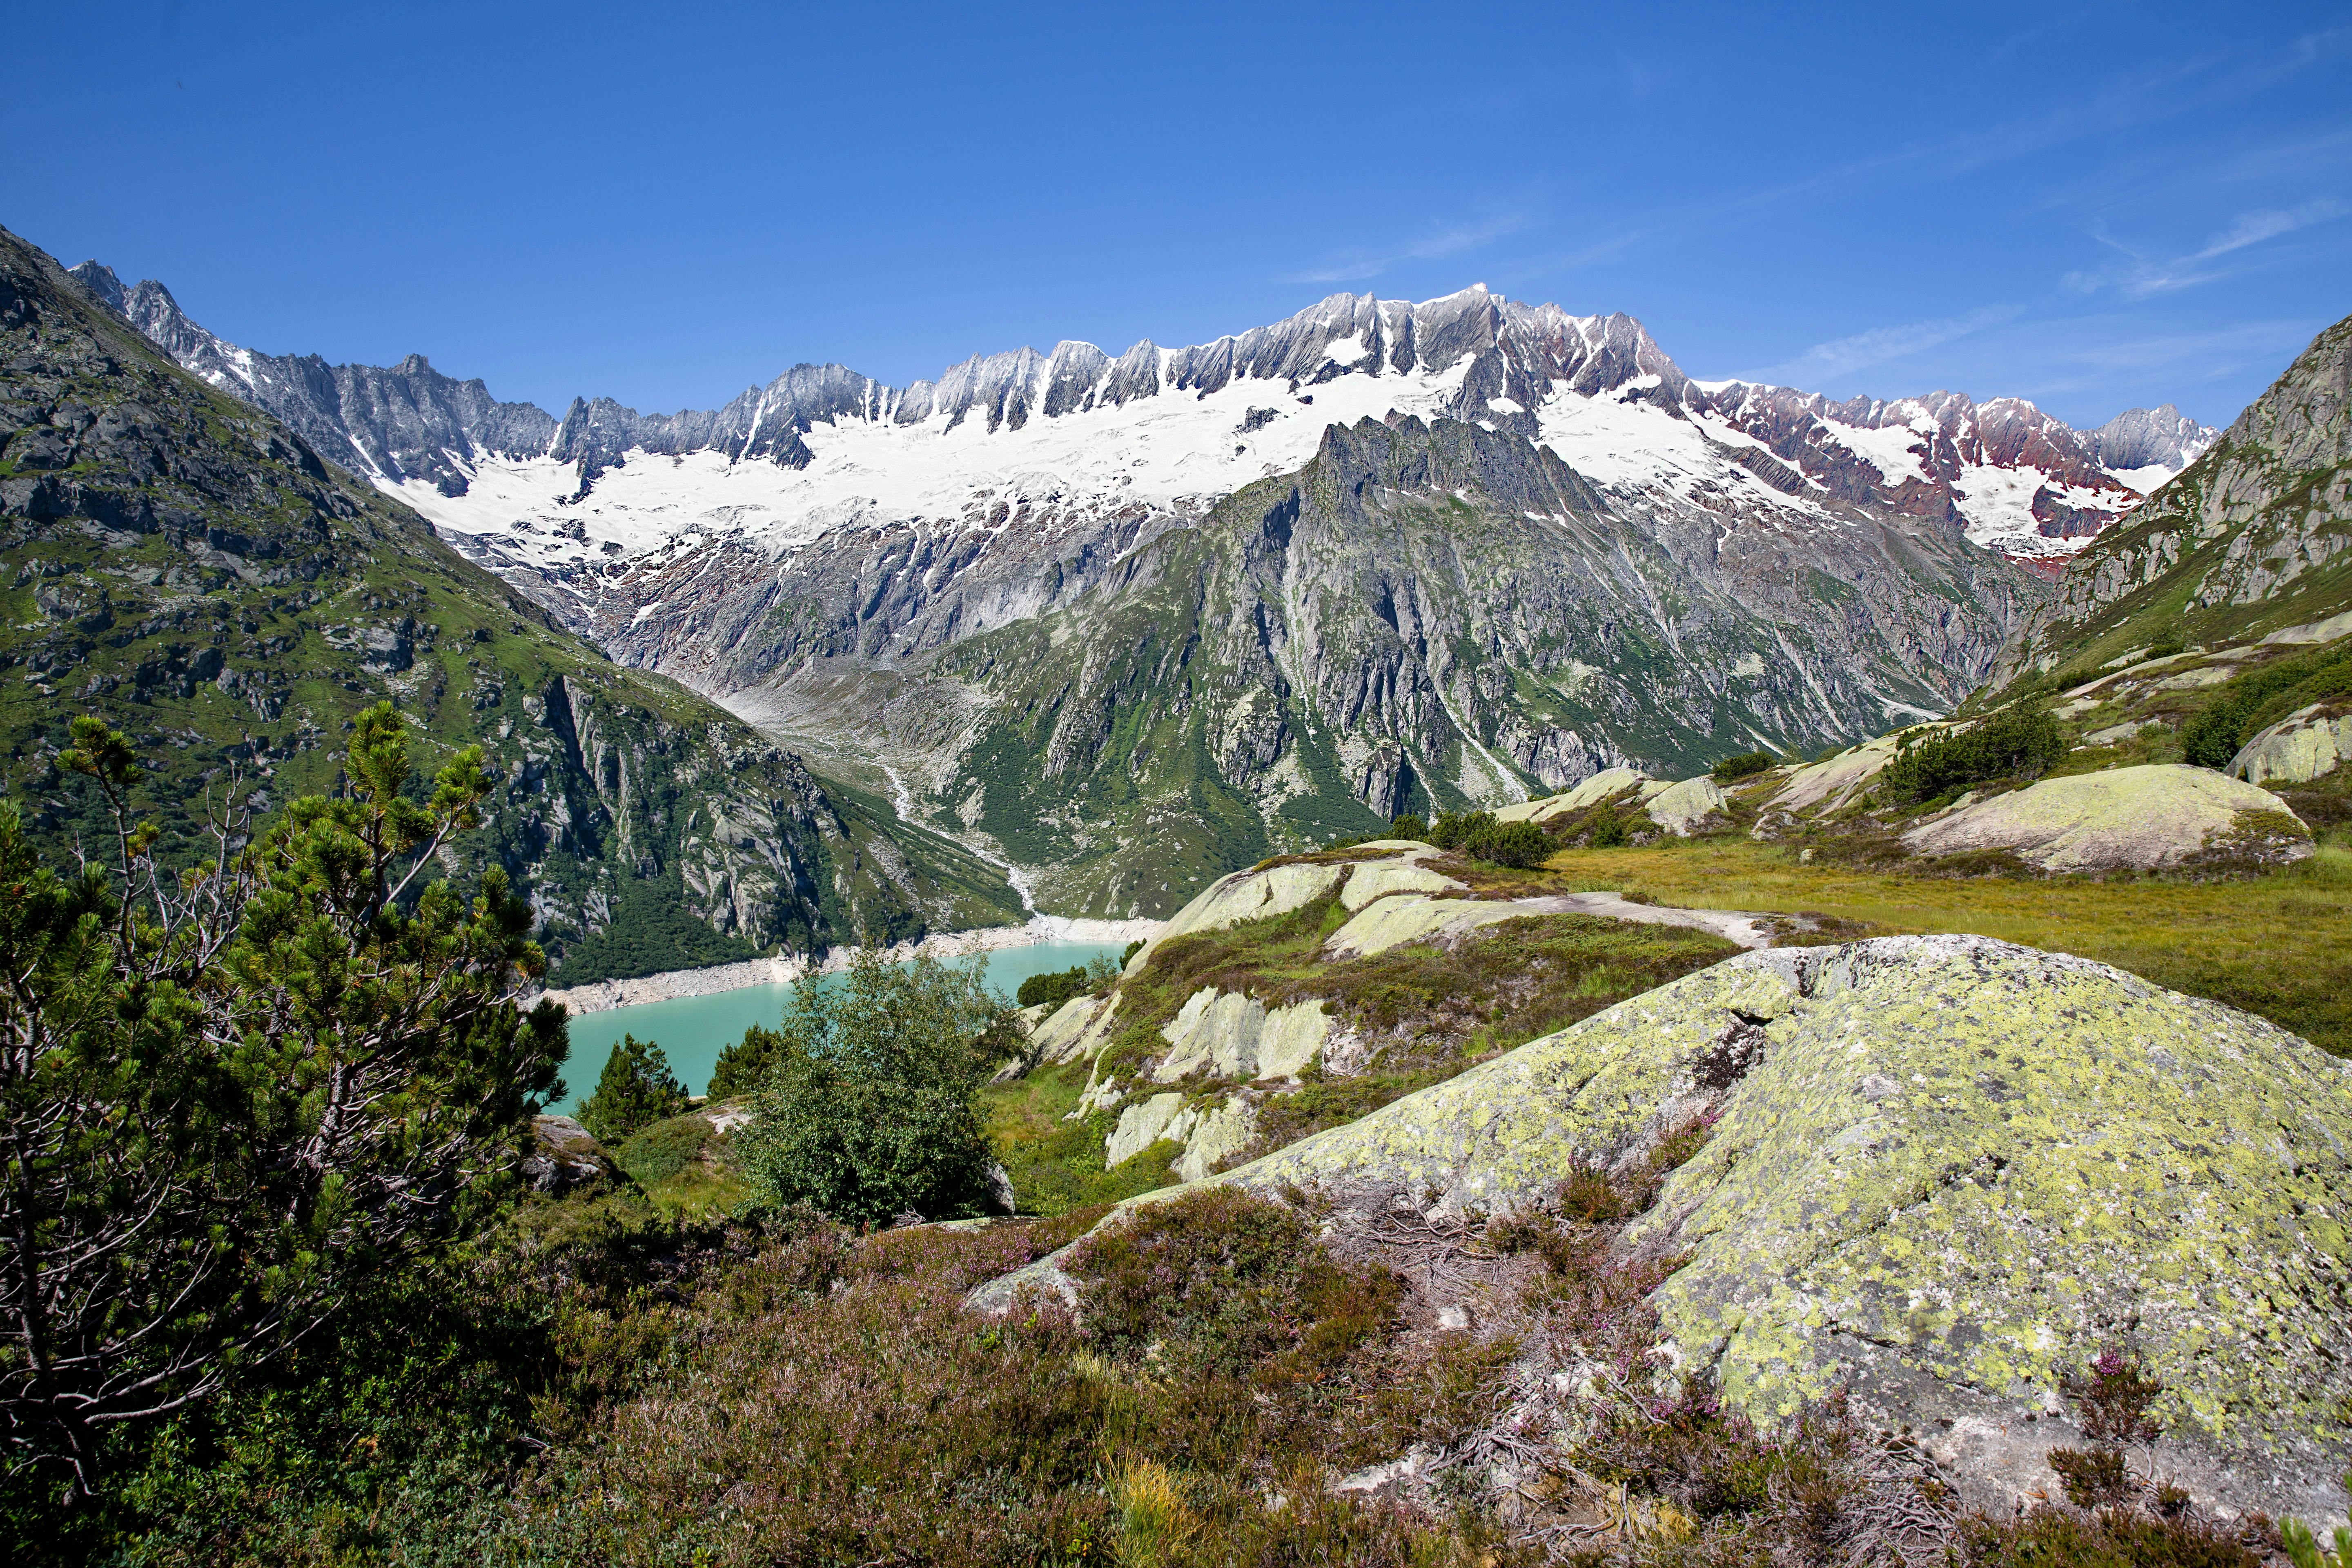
2279	945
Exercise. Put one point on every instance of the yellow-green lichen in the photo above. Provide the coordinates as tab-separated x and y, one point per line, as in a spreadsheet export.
1976	1163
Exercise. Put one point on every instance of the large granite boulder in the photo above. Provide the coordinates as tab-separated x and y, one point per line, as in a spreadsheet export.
562	1155
1941	1171
2304	745
2157	818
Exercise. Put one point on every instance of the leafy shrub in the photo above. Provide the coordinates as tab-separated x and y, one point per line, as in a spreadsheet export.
1521	844
1477	833
1746	765
1452	827
1126	955
1606	827
635	1090
1409	827
2019	741
744	1065
2254	701
1054	989
868	1110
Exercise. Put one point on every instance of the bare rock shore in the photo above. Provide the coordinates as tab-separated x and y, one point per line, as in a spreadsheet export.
599	996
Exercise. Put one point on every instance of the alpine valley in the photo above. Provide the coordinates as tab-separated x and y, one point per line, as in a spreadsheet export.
1119	625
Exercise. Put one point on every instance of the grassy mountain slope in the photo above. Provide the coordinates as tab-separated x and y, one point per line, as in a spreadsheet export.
2255	535
190	569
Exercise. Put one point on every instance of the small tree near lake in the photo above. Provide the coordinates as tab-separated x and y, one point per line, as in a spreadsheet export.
868	1109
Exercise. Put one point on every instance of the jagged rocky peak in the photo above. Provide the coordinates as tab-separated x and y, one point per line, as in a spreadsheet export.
2007	475
2162	436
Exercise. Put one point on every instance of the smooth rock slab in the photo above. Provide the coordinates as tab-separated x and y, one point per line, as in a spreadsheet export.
1684	808
1233	1036
1601	786
1373	879
2143	819
1958	1167
1244	896
2303	746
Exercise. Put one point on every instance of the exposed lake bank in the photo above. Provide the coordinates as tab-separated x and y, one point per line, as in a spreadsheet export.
602	996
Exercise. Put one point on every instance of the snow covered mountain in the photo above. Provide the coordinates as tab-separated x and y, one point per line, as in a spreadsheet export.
822	446
1229	599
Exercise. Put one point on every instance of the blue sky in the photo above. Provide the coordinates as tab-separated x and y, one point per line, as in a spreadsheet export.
2094	207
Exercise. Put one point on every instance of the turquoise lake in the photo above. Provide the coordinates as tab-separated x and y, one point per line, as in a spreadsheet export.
693	1030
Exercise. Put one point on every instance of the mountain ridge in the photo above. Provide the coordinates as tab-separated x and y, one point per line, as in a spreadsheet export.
1518	356
189	568
2252	539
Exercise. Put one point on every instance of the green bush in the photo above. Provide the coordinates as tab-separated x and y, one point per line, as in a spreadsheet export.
1452	827
1608	828
1747	764
2242	708
1478	834
2019	741
1409	827
1053	990
869	1112
744	1065
635	1090
1521	844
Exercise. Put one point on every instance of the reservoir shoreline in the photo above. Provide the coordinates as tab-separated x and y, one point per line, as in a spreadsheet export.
602	996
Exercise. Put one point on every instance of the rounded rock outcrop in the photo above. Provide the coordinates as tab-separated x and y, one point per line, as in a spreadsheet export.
2157	818
1939	1172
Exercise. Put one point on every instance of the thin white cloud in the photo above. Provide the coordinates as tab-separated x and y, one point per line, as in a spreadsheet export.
1446	242
2253	228
2140	274
1843	356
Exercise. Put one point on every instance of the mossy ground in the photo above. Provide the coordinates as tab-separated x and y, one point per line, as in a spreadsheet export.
2278	945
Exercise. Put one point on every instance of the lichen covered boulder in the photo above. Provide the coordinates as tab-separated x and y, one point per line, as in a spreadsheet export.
1607	784
1941	1171
2306	744
1403	873
1253	895
562	1155
1691	807
2148	819
1227	1034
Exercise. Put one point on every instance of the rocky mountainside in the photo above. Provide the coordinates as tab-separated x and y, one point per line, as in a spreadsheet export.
190	569
851	564
2254	537
404	424
1425	615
